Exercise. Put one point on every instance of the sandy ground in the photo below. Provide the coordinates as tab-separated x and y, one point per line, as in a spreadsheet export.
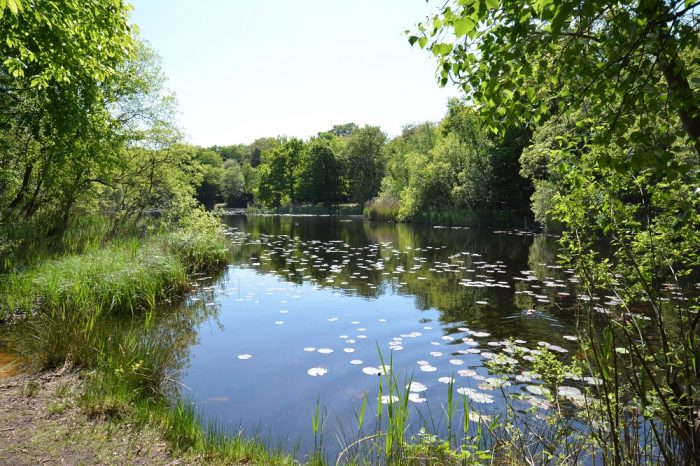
40	423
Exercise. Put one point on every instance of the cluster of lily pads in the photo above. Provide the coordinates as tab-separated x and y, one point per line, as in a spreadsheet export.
337	264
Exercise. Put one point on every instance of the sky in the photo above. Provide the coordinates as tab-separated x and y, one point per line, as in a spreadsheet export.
245	69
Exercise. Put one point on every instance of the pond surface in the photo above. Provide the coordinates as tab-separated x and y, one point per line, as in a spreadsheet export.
309	303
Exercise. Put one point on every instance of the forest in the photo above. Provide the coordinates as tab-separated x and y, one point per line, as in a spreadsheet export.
452	164
584	115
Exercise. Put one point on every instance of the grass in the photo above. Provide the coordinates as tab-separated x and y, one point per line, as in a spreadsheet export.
382	210
121	278
96	309
394	441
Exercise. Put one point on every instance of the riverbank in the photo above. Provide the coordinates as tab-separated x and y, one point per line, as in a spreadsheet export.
42	423
387	211
105	312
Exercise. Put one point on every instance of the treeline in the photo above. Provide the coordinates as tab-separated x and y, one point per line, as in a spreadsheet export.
455	163
87	139
344	164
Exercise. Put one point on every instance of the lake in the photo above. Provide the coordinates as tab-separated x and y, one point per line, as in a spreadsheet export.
310	306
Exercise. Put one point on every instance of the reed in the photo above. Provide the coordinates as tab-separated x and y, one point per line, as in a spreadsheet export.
382	210
396	442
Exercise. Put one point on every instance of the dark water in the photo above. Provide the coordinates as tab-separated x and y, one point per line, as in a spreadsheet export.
326	296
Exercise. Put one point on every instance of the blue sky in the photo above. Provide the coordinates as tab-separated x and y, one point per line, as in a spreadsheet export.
244	69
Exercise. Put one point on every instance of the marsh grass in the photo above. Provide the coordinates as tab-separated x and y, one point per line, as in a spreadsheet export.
450	439
122	278
382	210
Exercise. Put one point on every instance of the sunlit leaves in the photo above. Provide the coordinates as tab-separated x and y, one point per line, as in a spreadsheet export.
15	6
64	41
522	62
463	26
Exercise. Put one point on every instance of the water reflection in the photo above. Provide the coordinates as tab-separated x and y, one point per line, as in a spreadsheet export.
310	301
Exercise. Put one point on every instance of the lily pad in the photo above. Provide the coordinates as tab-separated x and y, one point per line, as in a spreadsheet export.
317	371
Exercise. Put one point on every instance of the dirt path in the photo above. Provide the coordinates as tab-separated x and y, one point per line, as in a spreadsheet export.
40	423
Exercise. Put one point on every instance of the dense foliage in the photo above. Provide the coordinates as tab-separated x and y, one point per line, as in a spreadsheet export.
453	166
610	90
86	129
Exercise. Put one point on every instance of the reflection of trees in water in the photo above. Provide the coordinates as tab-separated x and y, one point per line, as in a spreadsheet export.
543	252
291	237
174	330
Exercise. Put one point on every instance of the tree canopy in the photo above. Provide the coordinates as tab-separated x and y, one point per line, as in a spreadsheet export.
610	93
624	63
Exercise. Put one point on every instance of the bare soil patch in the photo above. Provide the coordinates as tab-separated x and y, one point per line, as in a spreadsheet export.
41	423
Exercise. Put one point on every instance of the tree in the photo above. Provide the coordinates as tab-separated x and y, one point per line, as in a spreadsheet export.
66	144
610	90
400	151
232	183
341	131
240	153
524	61
66	41
209	190
276	174
259	147
318	173
363	163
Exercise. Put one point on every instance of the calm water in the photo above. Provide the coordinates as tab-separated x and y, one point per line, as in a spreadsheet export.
309	303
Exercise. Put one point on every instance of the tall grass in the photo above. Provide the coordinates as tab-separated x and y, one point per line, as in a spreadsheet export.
121	278
96	310
454	439
382	210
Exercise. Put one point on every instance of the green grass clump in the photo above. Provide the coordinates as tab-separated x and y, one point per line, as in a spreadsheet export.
117	279
199	242
183	429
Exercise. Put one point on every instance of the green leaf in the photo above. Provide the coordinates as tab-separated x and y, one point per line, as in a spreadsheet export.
463	26
14	6
492	4
422	42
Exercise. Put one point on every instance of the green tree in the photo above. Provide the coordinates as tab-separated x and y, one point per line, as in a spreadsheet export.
65	41
363	163
318	173
526	60
276	174
259	147
240	153
414	139
341	131
209	190
233	184
65	146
